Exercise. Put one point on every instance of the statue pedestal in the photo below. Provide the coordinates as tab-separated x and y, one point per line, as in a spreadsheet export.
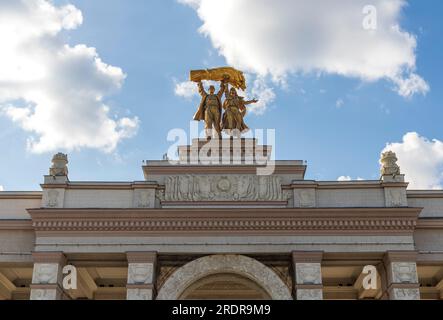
224	151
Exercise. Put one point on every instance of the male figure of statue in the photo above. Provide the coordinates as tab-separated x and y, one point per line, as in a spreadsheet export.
210	109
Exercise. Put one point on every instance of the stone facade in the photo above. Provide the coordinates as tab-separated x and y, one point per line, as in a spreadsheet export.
222	230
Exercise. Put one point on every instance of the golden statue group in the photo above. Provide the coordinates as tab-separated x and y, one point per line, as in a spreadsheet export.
211	105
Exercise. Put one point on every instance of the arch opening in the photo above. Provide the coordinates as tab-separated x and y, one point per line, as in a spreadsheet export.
216	271
224	286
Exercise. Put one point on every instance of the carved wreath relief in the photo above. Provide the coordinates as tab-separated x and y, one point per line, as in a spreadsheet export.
140	273
308	273
218	187
52	199
45	273
404	272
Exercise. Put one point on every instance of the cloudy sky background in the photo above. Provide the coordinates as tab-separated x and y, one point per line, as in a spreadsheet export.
106	80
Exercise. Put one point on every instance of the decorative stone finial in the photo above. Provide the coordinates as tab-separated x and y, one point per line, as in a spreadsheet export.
59	165
389	165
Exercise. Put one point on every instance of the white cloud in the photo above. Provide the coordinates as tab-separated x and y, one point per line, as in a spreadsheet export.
420	159
263	93
53	90
281	37
348	178
339	103
186	89
409	86
1	188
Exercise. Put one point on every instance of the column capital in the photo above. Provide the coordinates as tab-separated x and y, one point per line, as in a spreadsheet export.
400	256
49	257
307	256
141	257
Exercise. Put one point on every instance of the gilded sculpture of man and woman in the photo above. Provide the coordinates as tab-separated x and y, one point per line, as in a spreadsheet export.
211	108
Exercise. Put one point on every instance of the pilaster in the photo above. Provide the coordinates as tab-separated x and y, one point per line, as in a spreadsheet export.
401	276
307	278
141	275
47	276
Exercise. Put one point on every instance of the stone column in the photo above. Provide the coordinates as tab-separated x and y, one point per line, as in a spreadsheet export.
307	275
401	275
47	276
141	275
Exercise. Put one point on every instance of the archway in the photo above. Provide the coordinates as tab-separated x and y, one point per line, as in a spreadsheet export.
236	269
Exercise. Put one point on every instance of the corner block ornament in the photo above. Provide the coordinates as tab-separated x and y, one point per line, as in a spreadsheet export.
389	165
404	272
308	273
140	273
45	273
59	165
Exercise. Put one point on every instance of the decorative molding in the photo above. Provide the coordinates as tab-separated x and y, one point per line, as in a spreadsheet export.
16	225
21	195
430	223
225	221
102	185
152	170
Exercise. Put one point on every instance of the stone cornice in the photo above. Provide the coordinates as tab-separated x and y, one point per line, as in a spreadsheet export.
49	257
400	256
16	225
21	195
113	222
307	256
219	169
430	223
102	185
141	257
375	184
437	194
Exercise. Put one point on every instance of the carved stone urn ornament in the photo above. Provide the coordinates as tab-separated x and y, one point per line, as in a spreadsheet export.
59	165
389	165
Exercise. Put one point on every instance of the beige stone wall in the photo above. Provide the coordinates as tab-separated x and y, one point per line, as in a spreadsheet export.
429	240
432	207
370	197
16	208
98	199
16	245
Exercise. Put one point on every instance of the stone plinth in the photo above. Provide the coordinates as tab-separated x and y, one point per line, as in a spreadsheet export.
224	151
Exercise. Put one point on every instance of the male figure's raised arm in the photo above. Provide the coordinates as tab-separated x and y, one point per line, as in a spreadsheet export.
201	89
222	89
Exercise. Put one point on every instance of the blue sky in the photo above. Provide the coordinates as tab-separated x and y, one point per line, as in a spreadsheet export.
157	42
